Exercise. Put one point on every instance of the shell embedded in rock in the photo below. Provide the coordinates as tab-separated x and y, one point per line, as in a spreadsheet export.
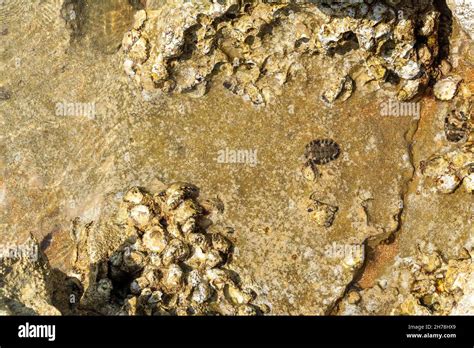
189	225
447	183
201	259
140	214
194	278
340	89
185	211
446	88
173	278
446	171
155	297
175	251
138	285
410	89
322	213
168	264
468	183
174	230
218	278
355	259
155	239
134	195
237	296
213	259
430	262
199	240
202	292
321	151
220	243
152	274
456	126
246	310
178	192
133	260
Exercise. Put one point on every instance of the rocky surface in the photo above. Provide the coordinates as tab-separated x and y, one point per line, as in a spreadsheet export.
463	10
26	282
313	232
259	45
423	284
167	258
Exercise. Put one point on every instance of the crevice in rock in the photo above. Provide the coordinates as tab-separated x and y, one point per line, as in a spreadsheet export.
388	237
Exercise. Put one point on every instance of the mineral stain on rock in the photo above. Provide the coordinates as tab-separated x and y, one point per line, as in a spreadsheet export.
257	47
167	262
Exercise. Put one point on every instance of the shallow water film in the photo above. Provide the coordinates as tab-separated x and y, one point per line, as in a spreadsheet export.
236	157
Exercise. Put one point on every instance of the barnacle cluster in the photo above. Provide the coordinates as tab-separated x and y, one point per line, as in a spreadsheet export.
425	284
259	45
72	11
446	172
168	264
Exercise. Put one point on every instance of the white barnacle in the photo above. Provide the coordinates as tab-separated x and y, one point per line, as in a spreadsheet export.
176	193
155	239
173	278
140	215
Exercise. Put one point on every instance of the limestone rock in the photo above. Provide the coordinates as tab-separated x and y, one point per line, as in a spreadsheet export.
463	10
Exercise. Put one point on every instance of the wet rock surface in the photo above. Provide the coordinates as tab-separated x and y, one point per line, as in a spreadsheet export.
403	175
26	282
464	12
258	46
168	262
425	284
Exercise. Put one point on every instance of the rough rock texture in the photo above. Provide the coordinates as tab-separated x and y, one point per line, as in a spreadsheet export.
463	10
304	236
259	45
26	284
426	283
168	258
